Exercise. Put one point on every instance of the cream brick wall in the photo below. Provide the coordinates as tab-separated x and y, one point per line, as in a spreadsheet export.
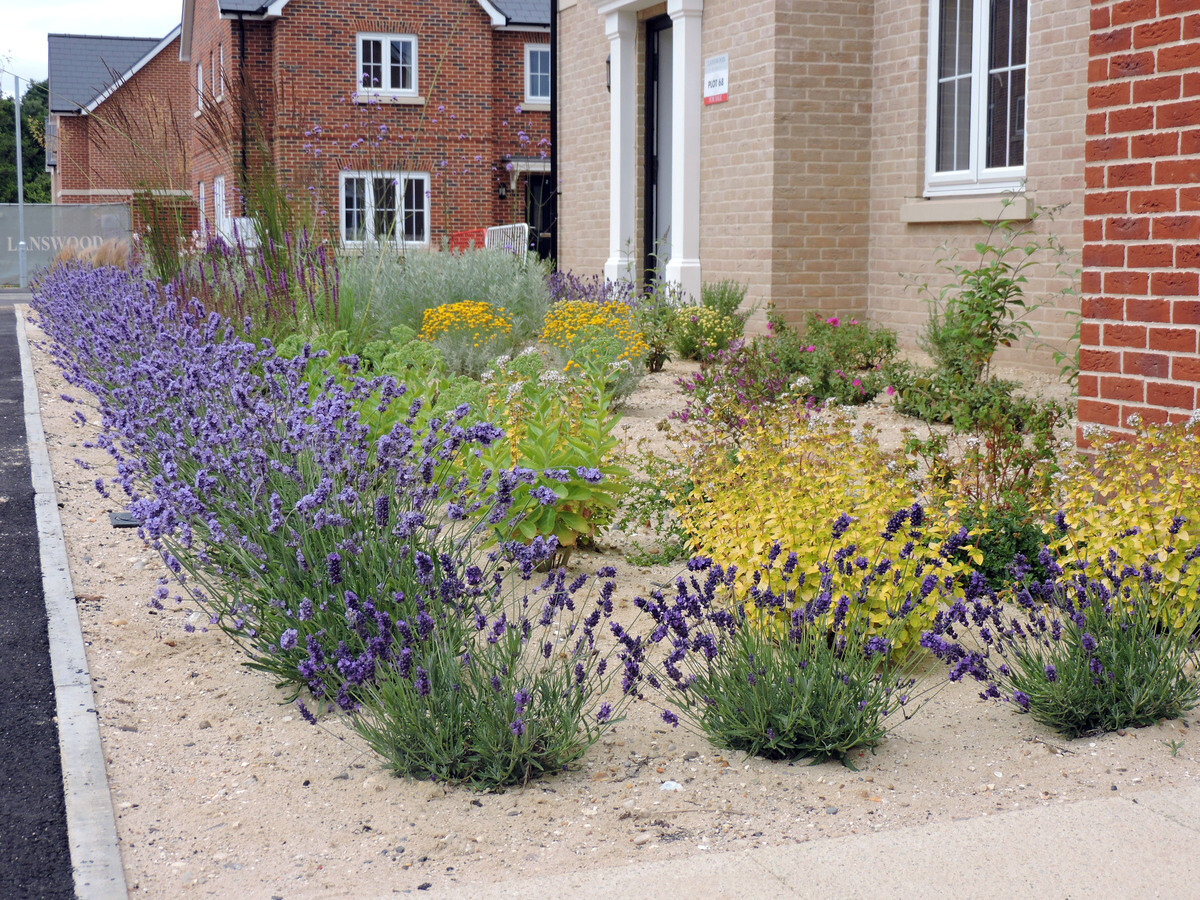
822	156
582	155
1056	106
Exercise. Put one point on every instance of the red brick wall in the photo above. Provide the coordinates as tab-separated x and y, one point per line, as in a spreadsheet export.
1141	312
302	69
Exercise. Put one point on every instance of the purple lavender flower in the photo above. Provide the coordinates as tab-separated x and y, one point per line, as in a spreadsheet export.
604	713
333	567
1051	672
517	727
289	639
670	718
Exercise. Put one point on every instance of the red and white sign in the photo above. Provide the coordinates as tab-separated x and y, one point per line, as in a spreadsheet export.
716	79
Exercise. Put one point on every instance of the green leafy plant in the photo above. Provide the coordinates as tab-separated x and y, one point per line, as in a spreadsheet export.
655	314
559	425
981	308
843	360
998	480
650	502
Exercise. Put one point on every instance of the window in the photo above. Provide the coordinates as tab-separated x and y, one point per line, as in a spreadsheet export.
385	206
537	73
387	64
199	86
220	77
220	214
975	139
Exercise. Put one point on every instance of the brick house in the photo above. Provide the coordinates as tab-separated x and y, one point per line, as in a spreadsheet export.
119	111
852	140
416	120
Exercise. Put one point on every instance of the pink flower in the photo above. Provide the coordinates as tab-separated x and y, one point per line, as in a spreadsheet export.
857	382
890	390
854	321
833	320
811	348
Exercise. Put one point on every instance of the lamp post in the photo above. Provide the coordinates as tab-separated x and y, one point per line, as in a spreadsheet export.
24	274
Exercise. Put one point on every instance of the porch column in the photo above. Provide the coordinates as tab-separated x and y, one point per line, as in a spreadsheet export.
683	268
621	28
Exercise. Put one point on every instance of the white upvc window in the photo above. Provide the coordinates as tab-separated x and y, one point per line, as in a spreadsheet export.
537	73
387	64
220	76
975	111
384	207
199	86
220	210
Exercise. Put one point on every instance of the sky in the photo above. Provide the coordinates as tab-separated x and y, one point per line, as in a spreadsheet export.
24	25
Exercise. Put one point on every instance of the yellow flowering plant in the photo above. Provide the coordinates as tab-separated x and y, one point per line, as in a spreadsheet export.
470	334
584	335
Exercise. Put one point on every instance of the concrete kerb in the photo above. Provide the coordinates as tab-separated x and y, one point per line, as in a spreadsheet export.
91	825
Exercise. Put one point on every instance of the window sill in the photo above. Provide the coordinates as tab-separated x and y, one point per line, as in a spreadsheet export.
389	99
967	209
535	106
197	113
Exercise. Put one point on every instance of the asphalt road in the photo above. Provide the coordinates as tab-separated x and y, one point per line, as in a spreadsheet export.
35	858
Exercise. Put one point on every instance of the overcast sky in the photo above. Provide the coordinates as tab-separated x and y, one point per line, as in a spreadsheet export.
24	25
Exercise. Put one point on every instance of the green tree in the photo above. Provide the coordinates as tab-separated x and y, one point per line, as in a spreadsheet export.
34	109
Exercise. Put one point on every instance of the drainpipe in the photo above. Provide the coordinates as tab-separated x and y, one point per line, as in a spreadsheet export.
242	98
554	129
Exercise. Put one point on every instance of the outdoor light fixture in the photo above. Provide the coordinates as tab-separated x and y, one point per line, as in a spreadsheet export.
503	191
608	73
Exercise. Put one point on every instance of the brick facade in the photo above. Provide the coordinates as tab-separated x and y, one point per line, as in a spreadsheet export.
306	112
1140	334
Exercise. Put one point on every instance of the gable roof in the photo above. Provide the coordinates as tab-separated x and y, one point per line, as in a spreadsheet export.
521	12
82	66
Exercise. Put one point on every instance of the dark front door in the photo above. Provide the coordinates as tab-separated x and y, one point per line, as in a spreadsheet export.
657	205
540	210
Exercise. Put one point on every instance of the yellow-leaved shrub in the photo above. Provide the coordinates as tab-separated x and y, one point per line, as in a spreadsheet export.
790	477
1141	499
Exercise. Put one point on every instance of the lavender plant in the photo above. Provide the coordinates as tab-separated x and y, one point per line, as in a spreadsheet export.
1080	651
341	562
775	676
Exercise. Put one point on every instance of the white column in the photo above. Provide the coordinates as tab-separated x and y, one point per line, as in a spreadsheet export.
688	75
621	28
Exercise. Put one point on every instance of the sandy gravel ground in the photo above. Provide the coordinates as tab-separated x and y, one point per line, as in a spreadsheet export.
221	791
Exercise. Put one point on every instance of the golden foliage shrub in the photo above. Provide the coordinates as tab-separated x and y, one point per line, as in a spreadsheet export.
789	480
1140	498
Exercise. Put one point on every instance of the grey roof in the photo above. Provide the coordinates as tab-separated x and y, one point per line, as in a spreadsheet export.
525	12
82	66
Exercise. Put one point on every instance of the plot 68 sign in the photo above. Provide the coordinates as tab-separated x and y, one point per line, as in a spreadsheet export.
716	79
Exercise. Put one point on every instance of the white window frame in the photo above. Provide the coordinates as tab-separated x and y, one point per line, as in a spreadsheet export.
530	96
977	178
199	86
402	179
386	87
220	74
220	208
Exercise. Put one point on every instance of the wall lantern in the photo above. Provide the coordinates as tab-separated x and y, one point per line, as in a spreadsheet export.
503	191
608	73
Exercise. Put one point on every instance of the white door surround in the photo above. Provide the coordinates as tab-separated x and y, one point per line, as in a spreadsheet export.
683	266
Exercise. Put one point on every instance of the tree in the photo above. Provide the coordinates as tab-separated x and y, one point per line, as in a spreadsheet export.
34	109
